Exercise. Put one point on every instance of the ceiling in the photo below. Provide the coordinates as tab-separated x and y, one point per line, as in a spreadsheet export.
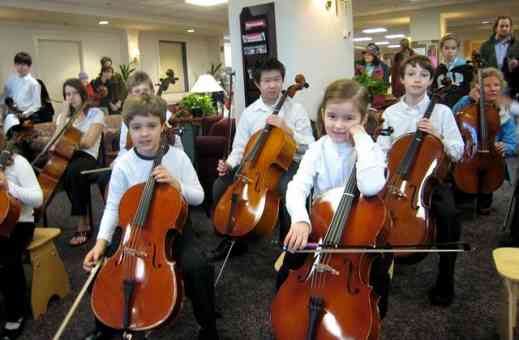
167	15
463	17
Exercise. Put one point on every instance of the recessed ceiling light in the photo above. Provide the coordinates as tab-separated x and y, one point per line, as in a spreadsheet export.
190	30
104	22
382	43
393	46
395	36
362	39
206	2
374	30
485	22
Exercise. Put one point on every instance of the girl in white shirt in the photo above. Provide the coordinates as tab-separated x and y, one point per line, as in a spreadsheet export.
90	122
328	163
19	180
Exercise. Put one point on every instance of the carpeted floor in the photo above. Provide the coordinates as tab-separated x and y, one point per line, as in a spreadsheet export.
244	294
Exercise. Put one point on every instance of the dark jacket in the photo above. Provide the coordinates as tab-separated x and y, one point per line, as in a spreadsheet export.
460	76
488	54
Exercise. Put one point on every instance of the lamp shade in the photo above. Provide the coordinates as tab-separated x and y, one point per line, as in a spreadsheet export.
206	84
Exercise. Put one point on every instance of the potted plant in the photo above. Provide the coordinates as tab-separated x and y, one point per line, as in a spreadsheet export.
196	104
376	87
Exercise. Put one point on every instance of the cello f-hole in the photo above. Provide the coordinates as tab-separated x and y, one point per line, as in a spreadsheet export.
349	276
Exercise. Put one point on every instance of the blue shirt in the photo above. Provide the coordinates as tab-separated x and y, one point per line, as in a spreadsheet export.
501	47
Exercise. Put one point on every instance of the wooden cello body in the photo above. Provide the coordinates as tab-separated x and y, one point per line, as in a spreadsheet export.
10	207
252	201
330	296
482	169
416	161
140	286
250	205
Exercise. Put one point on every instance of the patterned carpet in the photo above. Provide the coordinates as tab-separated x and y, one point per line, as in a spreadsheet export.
244	294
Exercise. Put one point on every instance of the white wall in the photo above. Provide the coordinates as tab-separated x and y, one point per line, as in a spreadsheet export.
200	53
310	40
95	43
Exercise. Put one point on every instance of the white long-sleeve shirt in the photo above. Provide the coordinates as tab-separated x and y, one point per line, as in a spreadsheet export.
132	169
254	118
404	119
25	91
123	135
327	165
24	186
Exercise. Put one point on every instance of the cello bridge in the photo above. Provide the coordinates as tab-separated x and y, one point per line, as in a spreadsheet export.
396	192
135	252
324	268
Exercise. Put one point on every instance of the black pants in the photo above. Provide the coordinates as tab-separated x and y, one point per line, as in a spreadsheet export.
514	224
483	201
223	182
12	284
448	229
76	185
198	276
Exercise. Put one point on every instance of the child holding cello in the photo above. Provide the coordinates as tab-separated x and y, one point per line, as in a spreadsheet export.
146	117
269	75
406	116
90	121
506	138
327	164
19	180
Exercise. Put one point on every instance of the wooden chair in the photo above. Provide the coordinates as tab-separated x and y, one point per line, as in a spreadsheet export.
507	264
49	277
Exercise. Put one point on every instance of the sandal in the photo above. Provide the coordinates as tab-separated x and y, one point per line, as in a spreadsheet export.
80	237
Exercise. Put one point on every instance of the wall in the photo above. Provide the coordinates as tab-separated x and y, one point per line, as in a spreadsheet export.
95	43
310	40
200	52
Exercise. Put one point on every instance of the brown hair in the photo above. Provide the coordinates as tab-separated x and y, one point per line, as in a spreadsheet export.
417	59
77	84
449	37
138	78
343	90
144	105
498	19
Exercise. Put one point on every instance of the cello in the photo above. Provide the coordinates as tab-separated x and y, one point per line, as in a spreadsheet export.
140	287
250	205
10	207
61	148
416	161
330	296
482	168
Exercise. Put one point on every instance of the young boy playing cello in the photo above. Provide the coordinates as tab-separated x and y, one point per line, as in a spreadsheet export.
406	116
269	75
145	116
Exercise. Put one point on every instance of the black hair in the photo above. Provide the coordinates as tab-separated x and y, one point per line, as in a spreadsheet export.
268	64
23	58
104	60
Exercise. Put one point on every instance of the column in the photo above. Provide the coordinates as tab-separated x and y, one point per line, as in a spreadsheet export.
314	37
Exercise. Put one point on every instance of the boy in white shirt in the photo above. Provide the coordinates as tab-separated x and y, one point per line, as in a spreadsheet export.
145	116
406	116
23	89
269	75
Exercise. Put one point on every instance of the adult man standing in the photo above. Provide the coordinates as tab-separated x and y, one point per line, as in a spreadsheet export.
501	51
405	52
